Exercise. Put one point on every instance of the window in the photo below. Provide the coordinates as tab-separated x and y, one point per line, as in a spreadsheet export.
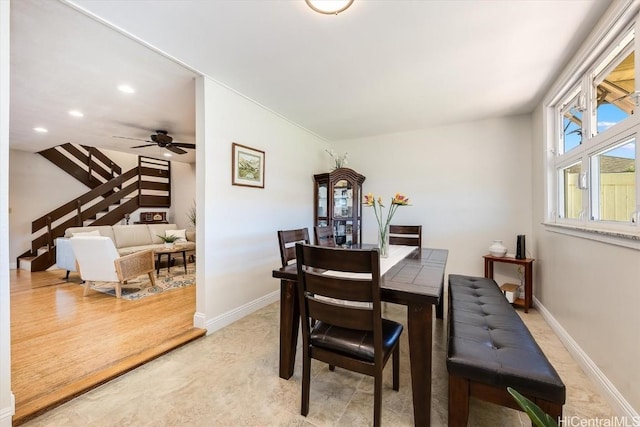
614	84
594	153
571	113
614	183
571	202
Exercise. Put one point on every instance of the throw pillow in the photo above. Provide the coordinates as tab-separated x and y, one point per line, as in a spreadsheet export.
180	234
87	233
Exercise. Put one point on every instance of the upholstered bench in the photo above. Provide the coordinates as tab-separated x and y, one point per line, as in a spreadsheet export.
490	349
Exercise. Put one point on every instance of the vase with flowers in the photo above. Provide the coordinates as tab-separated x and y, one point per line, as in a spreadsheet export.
383	223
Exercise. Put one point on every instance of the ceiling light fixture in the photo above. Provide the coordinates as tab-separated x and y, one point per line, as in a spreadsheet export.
40	130
76	113
167	154
329	7
126	89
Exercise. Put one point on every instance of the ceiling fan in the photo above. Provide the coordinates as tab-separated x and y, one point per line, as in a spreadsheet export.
162	139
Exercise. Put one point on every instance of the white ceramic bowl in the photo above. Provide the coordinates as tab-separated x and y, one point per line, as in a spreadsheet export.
499	254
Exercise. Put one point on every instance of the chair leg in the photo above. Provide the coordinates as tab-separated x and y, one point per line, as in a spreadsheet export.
396	367
118	290
306	380
152	278
87	287
377	398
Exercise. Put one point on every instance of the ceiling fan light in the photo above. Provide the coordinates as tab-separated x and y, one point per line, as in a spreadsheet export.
329	7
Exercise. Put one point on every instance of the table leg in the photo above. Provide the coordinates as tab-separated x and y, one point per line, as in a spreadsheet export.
488	268
289	324
158	264
420	325
528	286
440	306
168	263
184	260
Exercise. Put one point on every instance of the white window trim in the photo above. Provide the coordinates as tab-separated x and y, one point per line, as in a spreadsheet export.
612	28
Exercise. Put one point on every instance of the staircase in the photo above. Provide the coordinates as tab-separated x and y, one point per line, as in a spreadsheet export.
112	194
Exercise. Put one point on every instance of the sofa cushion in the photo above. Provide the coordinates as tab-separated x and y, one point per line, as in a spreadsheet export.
159	229
105	230
87	233
131	235
180	234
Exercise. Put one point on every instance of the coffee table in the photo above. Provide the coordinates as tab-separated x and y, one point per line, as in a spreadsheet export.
169	251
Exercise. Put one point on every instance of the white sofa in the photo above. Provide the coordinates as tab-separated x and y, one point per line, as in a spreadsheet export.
127	239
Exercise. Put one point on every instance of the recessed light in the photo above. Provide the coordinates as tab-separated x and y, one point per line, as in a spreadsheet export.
167	154
126	89
76	113
41	130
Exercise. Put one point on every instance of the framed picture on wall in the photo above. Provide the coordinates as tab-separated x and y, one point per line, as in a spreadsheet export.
247	166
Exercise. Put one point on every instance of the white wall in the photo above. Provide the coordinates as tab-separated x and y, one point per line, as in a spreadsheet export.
183	193
469	184
36	187
237	241
591	290
6	397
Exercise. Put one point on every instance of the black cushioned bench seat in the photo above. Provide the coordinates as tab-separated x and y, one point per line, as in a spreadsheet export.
490	349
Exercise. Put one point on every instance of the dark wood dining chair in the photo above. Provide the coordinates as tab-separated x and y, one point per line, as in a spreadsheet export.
323	236
407	235
287	240
355	338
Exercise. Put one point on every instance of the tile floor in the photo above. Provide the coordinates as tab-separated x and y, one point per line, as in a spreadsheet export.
230	378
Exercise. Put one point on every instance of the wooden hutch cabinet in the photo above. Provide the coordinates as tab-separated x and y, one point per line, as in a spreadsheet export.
338	204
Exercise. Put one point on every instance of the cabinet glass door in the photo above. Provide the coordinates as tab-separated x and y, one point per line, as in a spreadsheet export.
323	201
343	212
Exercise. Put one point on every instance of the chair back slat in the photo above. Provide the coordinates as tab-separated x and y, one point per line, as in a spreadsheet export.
287	240
408	235
344	316
323	236
339	287
337	259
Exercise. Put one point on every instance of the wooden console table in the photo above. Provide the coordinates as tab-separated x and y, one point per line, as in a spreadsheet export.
527	263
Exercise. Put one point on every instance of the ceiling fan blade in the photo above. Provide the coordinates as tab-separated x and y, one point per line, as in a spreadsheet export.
142	146
175	149
135	139
183	145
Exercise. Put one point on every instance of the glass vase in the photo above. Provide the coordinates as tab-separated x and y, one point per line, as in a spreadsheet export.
383	242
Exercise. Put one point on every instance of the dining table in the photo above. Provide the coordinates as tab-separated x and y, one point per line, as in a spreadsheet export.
415	280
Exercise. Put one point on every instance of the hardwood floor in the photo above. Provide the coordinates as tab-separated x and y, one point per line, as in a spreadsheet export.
64	344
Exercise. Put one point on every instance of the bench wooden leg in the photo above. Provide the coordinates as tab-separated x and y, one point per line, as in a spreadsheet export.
458	401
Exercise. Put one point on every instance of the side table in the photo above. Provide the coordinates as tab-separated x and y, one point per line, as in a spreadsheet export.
527	263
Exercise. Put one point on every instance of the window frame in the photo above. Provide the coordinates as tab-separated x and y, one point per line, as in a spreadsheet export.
582	93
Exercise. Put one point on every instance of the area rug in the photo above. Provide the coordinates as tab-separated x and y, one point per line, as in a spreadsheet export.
141	287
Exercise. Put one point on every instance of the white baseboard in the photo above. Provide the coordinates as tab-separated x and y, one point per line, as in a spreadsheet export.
7	413
619	404
200	320
229	317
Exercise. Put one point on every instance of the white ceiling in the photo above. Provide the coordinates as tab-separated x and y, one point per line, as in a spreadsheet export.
381	66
